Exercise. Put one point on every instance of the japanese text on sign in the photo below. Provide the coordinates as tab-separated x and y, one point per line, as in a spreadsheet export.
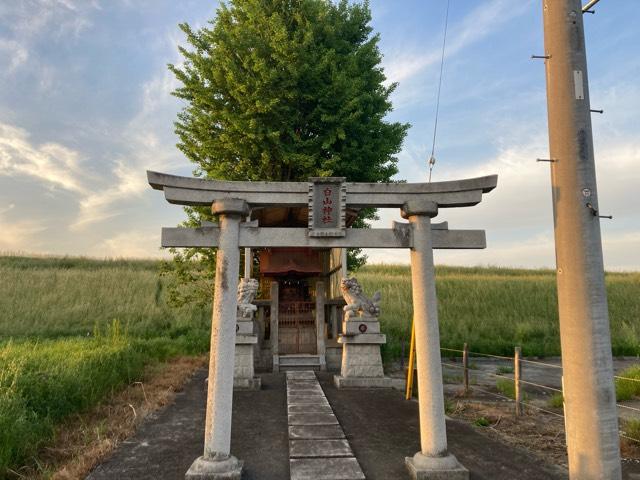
326	206
327	196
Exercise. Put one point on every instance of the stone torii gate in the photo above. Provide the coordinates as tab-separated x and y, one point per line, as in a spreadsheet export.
327	199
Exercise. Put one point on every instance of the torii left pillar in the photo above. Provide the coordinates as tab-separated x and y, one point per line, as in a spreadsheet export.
217	463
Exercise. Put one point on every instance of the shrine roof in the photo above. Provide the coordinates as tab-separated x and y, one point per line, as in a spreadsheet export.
291	216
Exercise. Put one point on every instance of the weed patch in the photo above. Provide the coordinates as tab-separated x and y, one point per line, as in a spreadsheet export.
481	422
629	386
506	387
493	309
556	400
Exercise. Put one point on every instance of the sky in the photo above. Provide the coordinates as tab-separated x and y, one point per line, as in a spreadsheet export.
86	108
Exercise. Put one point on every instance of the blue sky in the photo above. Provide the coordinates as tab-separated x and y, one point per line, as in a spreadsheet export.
85	109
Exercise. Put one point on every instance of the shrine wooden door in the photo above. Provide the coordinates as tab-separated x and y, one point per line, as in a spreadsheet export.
296	322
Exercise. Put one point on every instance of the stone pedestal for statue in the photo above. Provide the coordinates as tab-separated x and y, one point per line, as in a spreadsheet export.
361	340
243	368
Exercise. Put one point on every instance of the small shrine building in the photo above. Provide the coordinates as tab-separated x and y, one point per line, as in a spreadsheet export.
299	301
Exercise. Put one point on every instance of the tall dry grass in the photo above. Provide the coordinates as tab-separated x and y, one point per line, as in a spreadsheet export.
51	297
494	309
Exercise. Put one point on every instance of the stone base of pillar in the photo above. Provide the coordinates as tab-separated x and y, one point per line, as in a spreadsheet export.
361	359
243	369
422	467
203	469
254	383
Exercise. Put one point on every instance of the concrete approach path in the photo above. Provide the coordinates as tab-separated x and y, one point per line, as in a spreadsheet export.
380	426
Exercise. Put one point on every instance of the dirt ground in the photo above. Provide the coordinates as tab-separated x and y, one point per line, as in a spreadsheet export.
541	427
535	431
380	425
382	428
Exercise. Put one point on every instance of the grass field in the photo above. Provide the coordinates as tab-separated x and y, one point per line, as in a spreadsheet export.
495	309
74	330
71	332
52	297
42	382
492	309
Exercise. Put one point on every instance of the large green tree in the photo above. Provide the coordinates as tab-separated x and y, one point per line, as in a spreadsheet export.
283	90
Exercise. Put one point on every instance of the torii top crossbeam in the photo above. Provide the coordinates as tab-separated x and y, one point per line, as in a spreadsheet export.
322	195
197	191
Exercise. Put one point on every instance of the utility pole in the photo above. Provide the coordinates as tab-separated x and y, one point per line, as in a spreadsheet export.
590	403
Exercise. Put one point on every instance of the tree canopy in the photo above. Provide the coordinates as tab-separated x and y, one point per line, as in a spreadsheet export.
283	90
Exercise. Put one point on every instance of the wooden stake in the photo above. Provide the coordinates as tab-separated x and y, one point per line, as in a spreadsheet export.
465	366
412	361
516	380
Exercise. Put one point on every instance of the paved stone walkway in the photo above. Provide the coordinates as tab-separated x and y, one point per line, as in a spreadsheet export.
318	449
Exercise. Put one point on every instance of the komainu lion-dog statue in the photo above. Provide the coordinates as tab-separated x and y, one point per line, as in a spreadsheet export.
357	303
247	290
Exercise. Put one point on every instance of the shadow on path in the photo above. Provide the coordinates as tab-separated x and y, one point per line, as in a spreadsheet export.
169	441
382	428
380	425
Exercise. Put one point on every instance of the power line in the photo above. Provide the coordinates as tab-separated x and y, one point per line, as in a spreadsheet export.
432	158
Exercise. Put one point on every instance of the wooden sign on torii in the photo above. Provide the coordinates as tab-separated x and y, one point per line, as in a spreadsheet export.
327	198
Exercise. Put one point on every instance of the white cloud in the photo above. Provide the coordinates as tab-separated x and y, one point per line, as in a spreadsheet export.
130	245
28	19
477	24
12	54
129	183
151	143
403	66
25	22
14	235
57	166
147	140
517	215
622	252
51	162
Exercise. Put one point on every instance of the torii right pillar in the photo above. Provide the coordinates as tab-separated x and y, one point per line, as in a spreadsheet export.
433	461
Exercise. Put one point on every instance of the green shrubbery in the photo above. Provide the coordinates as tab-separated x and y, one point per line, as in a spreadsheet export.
492	309
73	331
631	428
556	400
627	389
42	382
481	422
506	387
